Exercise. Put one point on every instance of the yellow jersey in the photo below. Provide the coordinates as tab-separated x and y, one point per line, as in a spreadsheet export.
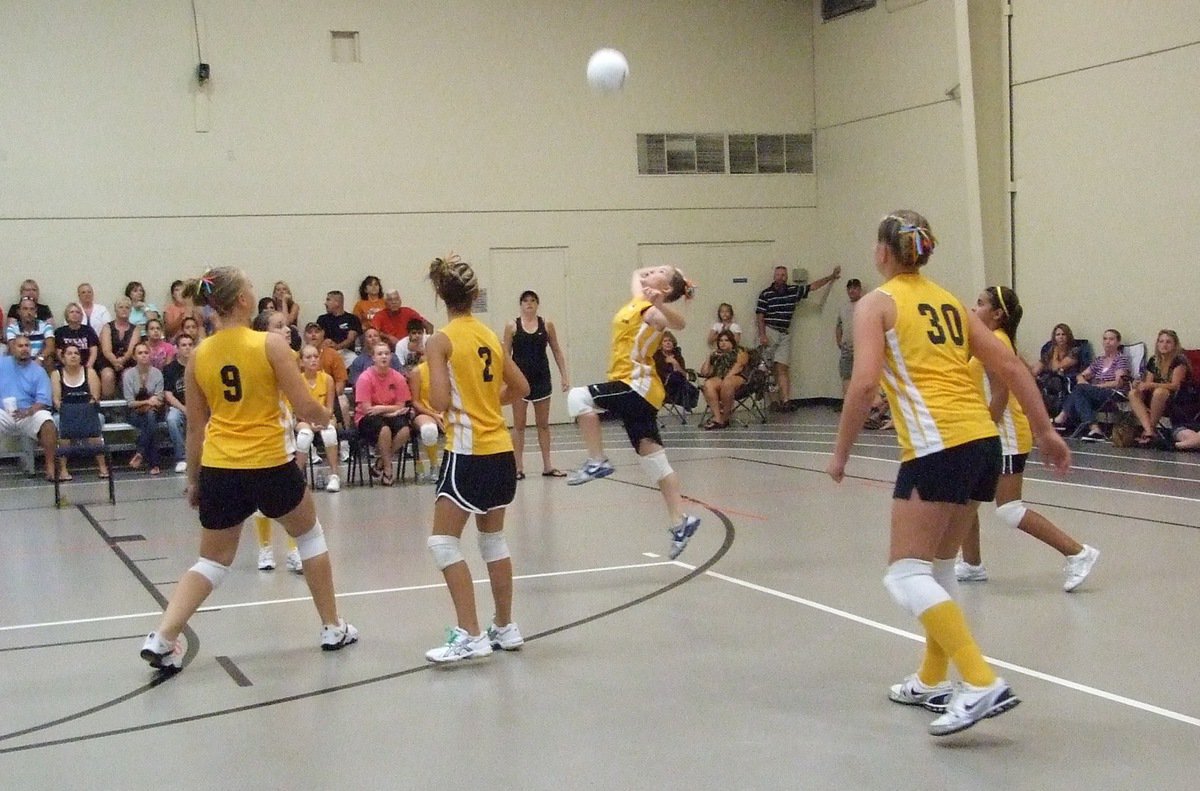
319	388
247	427
936	403
475	425
420	393
634	343
1015	434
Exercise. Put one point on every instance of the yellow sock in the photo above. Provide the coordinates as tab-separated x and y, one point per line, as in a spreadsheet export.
263	526
431	453
291	544
945	625
935	665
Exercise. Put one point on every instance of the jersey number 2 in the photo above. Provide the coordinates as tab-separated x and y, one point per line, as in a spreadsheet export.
486	355
937	333
231	377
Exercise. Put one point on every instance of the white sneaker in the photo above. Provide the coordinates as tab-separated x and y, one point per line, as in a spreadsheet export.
334	484
968	705
334	638
266	559
344	451
1079	567
965	572
507	637
681	534
913	692
180	466
293	562
163	655
460	645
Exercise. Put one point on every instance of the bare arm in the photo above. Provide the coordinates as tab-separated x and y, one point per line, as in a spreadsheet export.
559	359
832	276
93	382
197	420
291	384
56	389
999	400
506	341
515	385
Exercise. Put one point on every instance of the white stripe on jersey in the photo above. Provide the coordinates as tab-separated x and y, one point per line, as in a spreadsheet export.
464	431
1006	427
641	378
923	432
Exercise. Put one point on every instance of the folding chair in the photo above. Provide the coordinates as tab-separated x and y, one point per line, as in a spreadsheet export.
79	424
751	397
677	402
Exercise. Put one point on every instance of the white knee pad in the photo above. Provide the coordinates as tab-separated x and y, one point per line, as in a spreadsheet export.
492	546
445	551
579	402
329	437
655	465
910	582
943	574
211	570
304	438
429	434
1012	513
312	543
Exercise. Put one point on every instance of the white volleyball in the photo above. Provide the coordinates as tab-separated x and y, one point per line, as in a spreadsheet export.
607	70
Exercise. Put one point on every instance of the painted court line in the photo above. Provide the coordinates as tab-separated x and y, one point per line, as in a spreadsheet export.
1025	671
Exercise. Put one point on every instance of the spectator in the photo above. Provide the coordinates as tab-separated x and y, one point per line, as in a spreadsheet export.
724	372
370	300
191	326
427	422
29	288
117	340
724	322
341	328
411	349
672	372
27	383
40	333
331	361
365	359
175	397
142	385
177	309
1107	376
843	333
94	315
162	351
776	306
1166	372
74	332
382	412
392	321
1060	354
295	340
320	387
75	383
142	310
286	303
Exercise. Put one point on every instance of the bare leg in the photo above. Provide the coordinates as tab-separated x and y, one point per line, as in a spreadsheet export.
1137	403
729	386
318	570
48	439
519	413
500	572
589	430
783	379
971	552
448	520
1187	439
541	416
1033	523
712	395
668	486
219	546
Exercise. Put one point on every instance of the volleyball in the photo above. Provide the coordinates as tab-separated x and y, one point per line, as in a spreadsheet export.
607	70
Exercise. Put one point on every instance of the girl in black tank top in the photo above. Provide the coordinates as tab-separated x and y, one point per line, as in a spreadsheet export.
528	351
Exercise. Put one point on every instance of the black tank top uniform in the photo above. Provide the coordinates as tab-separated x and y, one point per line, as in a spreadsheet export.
529	353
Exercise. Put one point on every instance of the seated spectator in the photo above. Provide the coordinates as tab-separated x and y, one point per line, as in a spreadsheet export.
40	333
382	412
74	332
27	414
1060	354
176	311
880	416
142	310
142	385
190	326
723	372
411	350
370	300
724	322
341	328
365	359
267	304
286	303
162	351
672	372
76	384
175	397
29	288
1107	376
331	361
427	422
1166	372
320	386
95	315
392	321
117	340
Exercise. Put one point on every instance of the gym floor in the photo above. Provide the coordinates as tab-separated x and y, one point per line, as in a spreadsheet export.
760	659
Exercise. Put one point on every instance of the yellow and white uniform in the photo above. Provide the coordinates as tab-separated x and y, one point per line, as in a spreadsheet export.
935	401
634	343
319	388
247	428
1016	438
474	423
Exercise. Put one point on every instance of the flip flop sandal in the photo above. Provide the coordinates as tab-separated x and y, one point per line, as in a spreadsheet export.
554	473
520	476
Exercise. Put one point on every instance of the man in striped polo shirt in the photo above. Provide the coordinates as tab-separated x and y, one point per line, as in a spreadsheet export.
776	305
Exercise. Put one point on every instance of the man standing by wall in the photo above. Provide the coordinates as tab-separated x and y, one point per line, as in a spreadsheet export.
843	333
776	306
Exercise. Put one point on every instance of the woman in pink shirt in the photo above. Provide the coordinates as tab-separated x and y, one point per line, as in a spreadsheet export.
382	411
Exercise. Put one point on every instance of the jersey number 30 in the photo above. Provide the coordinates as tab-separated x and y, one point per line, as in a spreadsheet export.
231	377
948	317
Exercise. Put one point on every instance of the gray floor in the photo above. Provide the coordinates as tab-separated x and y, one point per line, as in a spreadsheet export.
759	661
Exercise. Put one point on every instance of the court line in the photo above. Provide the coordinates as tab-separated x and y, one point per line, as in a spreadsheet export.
349	594
1025	671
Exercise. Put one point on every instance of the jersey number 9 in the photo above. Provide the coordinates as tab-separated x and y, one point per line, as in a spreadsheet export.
231	377
949	316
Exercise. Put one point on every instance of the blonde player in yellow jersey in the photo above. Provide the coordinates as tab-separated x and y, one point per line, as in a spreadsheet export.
239	461
428	422
1000	311
320	387
470	378
634	393
917	336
